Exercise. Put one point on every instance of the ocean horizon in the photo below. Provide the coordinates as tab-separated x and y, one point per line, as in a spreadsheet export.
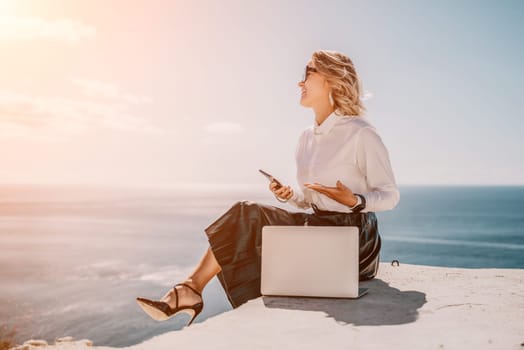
75	257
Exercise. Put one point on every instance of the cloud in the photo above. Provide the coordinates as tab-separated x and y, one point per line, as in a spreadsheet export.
224	128
97	88
20	114
15	28
122	270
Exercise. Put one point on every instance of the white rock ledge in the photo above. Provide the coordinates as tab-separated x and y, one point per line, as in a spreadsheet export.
408	307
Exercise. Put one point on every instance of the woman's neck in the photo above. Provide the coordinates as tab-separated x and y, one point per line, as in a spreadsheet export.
322	112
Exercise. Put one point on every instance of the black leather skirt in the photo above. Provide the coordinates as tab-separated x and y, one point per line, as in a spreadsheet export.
236	241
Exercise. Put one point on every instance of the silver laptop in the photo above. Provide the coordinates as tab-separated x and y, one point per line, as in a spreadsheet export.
311	261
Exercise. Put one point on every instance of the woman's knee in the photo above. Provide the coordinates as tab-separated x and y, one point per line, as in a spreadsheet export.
246	205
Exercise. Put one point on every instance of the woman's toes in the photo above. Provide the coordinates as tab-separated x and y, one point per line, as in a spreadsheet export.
170	298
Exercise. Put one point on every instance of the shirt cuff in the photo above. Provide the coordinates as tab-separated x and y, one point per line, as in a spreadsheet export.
359	201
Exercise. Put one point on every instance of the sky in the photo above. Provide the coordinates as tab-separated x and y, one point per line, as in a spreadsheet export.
162	93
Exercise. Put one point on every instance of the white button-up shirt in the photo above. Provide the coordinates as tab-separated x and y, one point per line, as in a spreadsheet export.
349	149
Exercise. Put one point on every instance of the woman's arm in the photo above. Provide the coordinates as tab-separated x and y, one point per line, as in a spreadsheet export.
287	194
298	200
373	161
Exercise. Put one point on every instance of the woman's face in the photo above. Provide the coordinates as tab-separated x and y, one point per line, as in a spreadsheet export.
314	89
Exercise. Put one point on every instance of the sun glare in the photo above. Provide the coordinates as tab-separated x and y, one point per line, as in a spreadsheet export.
7	7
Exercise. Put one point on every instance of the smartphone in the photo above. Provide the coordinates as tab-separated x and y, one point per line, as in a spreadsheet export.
271	178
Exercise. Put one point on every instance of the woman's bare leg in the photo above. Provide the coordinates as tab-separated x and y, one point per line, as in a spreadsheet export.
206	269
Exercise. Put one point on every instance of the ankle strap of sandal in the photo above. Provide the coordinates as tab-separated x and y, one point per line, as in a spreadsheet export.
188	286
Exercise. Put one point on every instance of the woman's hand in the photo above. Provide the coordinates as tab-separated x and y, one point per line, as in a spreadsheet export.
341	193
284	192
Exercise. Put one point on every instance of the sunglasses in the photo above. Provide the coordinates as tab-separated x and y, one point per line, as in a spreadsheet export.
306	72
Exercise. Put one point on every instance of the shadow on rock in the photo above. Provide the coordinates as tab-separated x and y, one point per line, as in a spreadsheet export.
382	305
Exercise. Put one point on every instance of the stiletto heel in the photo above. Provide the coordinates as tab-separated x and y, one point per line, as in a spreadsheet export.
161	311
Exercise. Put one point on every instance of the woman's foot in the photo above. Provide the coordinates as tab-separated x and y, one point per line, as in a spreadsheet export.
186	295
185	298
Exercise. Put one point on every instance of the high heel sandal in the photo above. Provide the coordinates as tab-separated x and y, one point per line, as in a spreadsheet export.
161	311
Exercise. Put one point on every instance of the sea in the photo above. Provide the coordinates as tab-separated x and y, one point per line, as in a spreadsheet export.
74	258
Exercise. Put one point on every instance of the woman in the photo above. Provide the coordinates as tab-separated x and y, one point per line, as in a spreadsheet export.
344	173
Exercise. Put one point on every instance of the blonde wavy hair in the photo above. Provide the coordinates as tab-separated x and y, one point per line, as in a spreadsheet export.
342	77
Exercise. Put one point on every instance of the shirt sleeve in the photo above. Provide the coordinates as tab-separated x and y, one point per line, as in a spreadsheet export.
298	201
373	161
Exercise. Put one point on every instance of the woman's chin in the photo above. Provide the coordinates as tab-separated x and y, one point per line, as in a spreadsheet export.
304	102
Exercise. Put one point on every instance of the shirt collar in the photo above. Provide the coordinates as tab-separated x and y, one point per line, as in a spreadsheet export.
326	125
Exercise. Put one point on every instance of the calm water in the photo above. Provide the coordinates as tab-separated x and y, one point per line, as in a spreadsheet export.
73	259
